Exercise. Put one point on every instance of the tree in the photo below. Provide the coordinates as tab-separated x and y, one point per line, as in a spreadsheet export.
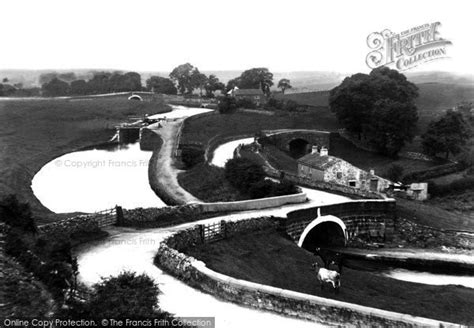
126	296
67	77
226	104
159	84
47	77
379	107
256	78
198	80
242	173
284	84
392	124
181	76
5	80
16	214
446	135
212	85
232	83
99	83
55	88
79	87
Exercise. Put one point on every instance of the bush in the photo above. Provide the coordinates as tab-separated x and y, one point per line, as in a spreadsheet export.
261	189
246	103
226	105
16	214
192	155
242	173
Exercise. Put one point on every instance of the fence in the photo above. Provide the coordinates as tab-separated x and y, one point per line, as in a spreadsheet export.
213	231
106	217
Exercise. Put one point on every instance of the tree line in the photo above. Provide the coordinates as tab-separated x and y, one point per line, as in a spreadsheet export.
379	109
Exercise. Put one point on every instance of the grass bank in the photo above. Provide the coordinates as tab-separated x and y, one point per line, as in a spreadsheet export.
208	183
267	257
204	128
35	131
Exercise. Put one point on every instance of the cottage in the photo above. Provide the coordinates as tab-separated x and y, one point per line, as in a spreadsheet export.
255	95
320	166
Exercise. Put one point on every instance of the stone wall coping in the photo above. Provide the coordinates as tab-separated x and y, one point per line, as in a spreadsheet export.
294	198
244	284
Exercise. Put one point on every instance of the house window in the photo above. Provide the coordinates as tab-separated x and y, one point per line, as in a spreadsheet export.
339	175
352	183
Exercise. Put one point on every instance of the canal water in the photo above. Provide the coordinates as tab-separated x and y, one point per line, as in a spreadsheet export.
226	151
96	179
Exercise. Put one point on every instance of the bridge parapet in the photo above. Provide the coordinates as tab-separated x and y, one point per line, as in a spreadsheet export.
372	218
282	139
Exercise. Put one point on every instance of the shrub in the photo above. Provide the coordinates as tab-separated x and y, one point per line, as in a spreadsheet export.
245	103
242	173
226	105
192	155
16	214
261	189
127	295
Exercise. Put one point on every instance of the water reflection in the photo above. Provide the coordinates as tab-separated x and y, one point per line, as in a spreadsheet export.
96	179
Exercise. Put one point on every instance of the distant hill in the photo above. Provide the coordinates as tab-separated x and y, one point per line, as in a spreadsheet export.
301	81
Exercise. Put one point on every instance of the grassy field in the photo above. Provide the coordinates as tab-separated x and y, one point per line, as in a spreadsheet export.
208	183
267	257
204	128
433	100
33	132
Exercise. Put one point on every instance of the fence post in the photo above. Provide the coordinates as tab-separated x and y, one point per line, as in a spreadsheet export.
201	233
119	214
224	228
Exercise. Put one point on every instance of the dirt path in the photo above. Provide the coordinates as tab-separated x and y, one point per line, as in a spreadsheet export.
165	168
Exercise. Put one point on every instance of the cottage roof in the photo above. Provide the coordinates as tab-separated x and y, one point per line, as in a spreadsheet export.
248	92
319	162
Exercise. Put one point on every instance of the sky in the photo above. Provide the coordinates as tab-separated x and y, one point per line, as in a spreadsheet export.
154	35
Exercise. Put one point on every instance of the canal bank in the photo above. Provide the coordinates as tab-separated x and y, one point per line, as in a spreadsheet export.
416	259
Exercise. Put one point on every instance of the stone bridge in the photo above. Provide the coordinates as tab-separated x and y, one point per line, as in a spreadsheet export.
335	225
296	142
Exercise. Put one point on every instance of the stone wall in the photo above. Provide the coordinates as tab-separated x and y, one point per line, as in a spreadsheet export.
286	302
149	140
367	219
155	216
254	204
81	223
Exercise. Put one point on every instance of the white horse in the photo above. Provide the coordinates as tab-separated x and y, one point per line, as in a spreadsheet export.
327	276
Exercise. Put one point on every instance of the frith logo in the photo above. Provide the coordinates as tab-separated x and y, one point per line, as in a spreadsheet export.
407	49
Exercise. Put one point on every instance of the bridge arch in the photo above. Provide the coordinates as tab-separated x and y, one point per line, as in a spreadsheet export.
327	230
135	97
298	147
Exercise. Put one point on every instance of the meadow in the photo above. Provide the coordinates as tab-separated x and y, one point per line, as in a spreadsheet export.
35	131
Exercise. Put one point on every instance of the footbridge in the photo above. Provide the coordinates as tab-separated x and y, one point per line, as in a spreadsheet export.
335	225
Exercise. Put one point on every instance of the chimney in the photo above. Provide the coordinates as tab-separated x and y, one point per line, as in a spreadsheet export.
324	151
314	150
372	172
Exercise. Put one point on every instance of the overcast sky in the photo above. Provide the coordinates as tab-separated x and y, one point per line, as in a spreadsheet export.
291	35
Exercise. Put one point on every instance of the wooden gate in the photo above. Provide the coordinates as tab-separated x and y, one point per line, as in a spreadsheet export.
106	217
213	231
